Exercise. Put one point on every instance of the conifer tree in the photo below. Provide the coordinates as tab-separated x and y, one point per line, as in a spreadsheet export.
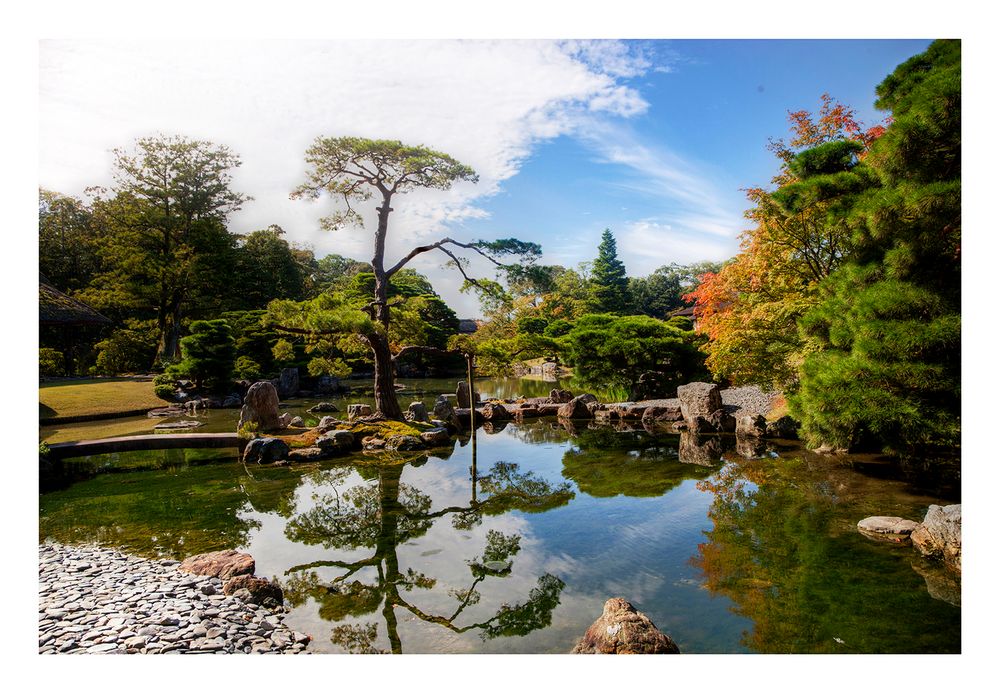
886	370
609	283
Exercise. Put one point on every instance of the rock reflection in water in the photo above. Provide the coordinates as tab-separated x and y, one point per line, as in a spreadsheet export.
699	449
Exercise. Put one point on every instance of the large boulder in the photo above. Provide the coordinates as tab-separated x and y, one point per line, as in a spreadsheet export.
288	382
577	407
940	535
699	399
560	396
495	412
752	426
887	527
310	454
355	411
335	441
219	564
404	443
417	411
265	451
786	428
623	630
435	437
260	407
462	395
257	590
658	414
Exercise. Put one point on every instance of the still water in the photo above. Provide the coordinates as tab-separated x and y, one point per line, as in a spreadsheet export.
428	554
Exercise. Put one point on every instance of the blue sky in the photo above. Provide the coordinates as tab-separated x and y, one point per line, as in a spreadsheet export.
711	114
653	139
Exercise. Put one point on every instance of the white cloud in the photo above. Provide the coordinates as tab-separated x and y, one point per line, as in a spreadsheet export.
487	103
647	244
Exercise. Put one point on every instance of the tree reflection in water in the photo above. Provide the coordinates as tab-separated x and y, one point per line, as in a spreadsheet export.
784	548
386	515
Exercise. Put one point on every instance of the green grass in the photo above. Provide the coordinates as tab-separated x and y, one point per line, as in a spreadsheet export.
95	397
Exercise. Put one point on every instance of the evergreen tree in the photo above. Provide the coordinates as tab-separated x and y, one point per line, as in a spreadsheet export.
887	366
209	354
609	283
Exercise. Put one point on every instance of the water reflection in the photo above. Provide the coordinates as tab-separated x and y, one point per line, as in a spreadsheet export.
784	549
387	514
726	545
605	463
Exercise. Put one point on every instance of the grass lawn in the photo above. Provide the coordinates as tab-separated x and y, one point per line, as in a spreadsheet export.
98	396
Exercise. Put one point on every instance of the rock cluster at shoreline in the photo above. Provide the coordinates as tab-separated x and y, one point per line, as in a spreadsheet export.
94	600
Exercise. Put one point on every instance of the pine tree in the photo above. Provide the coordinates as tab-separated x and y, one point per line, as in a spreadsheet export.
886	370
609	283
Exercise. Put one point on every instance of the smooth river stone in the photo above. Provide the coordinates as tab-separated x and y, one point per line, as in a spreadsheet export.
887	527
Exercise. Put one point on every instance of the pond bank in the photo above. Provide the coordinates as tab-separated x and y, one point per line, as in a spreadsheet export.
93	600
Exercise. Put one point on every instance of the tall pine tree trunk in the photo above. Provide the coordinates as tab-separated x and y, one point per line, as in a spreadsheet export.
386	403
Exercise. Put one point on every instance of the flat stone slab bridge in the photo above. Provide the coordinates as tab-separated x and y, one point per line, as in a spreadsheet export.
157	441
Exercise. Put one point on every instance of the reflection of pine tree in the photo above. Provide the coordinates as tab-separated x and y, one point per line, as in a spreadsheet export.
388	514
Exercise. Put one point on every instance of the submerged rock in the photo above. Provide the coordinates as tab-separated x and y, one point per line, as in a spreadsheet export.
623	630
177	425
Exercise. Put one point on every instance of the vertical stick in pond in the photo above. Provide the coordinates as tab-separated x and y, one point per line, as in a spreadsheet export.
472	421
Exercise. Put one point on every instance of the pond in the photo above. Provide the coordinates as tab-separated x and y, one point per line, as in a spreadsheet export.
517	550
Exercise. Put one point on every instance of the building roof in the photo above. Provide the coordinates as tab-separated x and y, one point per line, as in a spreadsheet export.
56	308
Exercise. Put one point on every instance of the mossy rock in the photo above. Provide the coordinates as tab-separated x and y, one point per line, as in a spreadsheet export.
361	430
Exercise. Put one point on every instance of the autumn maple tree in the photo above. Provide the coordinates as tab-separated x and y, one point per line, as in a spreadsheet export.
749	308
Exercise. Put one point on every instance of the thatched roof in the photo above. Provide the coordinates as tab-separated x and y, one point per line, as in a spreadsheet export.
56	308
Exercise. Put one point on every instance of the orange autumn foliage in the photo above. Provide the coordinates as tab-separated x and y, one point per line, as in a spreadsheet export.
749	309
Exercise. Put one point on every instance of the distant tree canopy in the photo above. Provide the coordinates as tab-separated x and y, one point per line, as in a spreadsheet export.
164	244
268	267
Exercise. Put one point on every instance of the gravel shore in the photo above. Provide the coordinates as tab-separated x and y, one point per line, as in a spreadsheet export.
94	600
747	400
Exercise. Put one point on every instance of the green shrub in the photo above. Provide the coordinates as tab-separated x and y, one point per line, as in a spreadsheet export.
128	350
164	379
610	351
164	392
247	368
50	362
